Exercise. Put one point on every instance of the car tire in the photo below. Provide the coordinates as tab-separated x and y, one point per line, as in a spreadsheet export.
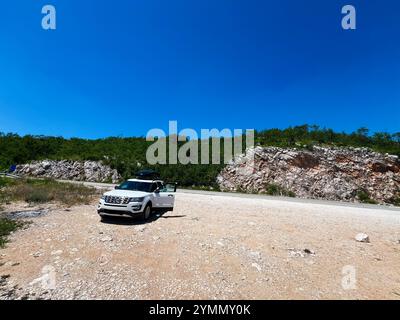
146	213
104	218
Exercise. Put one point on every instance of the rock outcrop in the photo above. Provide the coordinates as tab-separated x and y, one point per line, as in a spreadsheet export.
345	174
91	171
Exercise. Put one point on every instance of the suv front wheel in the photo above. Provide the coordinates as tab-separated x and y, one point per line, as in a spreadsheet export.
146	213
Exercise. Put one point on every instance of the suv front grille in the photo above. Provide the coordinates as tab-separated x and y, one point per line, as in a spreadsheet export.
116	200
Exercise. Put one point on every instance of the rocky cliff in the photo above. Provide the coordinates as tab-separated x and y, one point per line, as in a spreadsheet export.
69	170
346	174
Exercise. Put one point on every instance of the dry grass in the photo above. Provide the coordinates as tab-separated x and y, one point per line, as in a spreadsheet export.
43	191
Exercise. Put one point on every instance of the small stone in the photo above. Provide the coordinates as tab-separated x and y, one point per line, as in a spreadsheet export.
106	239
362	237
140	228
255	255
296	253
11	264
308	251
56	252
257	266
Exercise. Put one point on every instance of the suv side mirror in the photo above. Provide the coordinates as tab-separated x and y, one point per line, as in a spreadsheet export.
116	187
157	190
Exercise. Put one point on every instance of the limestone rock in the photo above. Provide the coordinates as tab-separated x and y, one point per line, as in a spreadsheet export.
362	237
328	173
91	171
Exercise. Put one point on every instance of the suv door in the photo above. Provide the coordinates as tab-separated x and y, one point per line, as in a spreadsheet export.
157	199
167	195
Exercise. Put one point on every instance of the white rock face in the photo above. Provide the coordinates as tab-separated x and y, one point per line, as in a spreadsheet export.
91	171
362	237
320	173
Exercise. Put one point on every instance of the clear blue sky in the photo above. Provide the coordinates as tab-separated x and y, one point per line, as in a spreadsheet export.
123	67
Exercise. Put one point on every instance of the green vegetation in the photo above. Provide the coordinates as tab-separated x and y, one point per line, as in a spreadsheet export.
396	200
364	197
276	190
128	155
6	227
306	136
42	191
204	188
5	182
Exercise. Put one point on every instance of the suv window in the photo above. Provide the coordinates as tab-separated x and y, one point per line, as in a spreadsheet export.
135	186
159	185
153	187
168	187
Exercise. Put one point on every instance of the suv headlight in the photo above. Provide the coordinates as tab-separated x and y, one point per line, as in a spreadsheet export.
136	199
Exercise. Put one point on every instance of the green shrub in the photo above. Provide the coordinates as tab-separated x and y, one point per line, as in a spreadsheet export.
38	196
273	189
364	197
291	194
395	201
6	227
4	182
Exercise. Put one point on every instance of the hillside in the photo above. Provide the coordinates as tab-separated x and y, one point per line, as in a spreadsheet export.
127	155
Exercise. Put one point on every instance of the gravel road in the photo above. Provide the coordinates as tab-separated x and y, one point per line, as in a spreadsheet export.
210	247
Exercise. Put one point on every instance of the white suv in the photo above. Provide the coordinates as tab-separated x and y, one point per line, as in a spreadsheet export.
137	197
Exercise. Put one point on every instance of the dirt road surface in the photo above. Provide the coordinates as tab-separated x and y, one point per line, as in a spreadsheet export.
210	247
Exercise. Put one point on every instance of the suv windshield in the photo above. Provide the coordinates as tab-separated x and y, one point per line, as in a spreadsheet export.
135	186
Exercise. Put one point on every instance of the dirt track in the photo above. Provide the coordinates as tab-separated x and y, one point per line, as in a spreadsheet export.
210	247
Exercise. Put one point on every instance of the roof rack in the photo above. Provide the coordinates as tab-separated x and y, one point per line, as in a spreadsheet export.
147	174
